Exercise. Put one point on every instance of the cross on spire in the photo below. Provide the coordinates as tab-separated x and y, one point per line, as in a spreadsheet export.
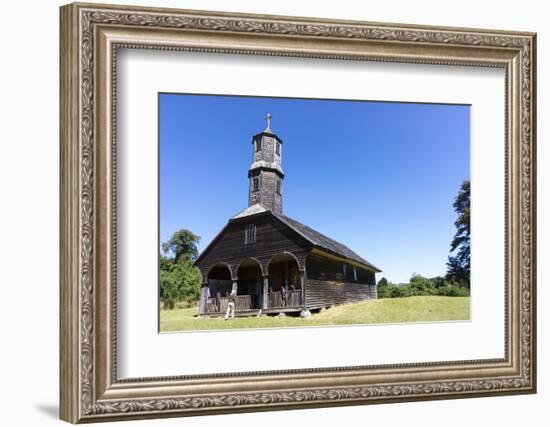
268	120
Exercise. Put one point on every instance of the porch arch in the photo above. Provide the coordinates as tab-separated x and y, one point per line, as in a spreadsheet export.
285	281
250	284
218	285
251	261
217	270
283	255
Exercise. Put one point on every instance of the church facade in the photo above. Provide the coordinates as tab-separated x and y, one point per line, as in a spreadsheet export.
275	263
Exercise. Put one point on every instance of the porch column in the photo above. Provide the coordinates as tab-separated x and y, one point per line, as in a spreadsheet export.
303	287
305	312
265	291
203	297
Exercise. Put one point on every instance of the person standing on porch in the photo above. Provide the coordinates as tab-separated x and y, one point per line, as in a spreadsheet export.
231	299
283	296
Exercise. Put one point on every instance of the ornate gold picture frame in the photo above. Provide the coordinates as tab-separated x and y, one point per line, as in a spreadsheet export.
90	388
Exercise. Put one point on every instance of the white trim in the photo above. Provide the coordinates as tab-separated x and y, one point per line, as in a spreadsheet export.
144	73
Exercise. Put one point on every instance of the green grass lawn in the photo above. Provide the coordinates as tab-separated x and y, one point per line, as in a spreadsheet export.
393	310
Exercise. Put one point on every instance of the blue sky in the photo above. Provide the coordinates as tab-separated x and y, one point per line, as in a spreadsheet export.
379	177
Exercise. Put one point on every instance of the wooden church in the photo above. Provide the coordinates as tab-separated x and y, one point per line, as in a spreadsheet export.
275	263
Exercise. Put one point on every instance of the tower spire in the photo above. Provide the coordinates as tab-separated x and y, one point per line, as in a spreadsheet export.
268	120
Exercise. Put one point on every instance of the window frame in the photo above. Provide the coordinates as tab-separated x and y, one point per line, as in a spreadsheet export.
250	234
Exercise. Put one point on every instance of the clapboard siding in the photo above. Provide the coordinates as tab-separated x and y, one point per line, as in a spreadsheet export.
272	238
321	268
322	293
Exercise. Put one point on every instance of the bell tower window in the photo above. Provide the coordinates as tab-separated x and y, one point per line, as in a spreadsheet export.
255	184
278	148
258	144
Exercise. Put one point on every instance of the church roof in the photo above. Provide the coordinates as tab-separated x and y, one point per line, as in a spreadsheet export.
313	236
324	242
251	210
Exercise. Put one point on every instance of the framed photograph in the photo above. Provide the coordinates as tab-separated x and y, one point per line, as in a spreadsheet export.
267	212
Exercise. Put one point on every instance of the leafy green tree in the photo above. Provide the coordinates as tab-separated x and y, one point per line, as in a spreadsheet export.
453	289
166	264
183	243
181	283
420	285
383	282
438	282
397	291
383	288
458	265
179	279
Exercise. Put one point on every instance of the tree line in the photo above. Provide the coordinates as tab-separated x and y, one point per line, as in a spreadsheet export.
457	280
421	286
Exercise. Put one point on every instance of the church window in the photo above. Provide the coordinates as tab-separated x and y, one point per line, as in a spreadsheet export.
354	274
278	148
258	144
345	270
255	184
278	186
250	234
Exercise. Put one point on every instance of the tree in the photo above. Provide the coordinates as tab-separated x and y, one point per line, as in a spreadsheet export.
387	289
420	285
458	265
180	283
383	288
182	243
383	282
179	279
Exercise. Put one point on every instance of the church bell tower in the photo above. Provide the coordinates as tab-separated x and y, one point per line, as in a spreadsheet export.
266	174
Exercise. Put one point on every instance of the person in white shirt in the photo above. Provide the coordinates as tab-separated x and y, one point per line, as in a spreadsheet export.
231	299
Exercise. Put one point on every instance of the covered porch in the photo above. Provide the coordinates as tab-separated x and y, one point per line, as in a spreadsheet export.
273	288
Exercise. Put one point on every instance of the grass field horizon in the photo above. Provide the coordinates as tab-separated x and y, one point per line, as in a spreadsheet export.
412	309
